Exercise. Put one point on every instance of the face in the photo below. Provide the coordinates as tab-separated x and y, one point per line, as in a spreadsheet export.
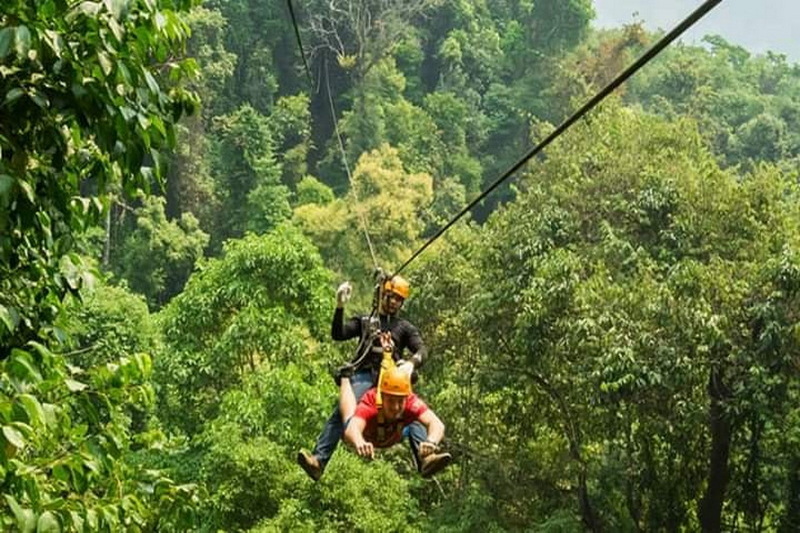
392	303
393	406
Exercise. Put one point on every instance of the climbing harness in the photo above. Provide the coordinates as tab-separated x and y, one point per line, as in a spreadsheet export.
371	325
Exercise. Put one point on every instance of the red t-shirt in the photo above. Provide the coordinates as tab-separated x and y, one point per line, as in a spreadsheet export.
383	435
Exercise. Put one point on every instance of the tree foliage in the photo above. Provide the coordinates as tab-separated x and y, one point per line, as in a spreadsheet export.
159	255
385	200
75	423
83	112
631	330
108	322
258	304
87	109
613	338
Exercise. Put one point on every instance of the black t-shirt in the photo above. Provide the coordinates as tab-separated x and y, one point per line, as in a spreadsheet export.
404	334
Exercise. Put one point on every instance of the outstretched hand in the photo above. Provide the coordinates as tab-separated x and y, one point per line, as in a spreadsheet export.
365	449
343	293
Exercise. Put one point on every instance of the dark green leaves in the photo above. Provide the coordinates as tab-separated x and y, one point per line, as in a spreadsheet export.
22	368
13	95
6	38
76	82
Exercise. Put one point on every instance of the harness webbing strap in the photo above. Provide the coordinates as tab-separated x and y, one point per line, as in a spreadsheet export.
387	363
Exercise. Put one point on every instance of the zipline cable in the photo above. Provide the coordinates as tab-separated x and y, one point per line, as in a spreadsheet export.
361	217
300	42
360	214
665	41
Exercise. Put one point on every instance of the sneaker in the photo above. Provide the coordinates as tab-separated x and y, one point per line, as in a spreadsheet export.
433	463
310	464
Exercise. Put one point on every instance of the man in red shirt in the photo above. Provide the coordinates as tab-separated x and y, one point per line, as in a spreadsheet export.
379	418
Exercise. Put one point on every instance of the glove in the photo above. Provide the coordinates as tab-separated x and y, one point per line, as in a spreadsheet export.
343	293
345	371
405	366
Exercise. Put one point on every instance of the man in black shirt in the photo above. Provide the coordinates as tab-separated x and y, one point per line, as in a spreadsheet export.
364	367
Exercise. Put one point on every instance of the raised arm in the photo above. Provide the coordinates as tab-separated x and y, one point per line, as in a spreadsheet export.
341	330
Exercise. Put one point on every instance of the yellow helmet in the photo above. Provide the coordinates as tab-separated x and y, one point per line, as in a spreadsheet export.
397	285
396	382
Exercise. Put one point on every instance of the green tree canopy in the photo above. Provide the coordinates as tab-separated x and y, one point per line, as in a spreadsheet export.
159	255
84	111
627	334
81	106
257	305
386	199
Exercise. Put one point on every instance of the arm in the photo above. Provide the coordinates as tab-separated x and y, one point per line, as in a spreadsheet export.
347	399
434	426
354	435
435	429
415	345
341	330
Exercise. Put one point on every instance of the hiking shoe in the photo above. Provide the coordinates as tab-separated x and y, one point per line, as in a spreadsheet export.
433	463
345	371
310	464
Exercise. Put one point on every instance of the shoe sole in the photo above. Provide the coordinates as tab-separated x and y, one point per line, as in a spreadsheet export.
312	472
437	466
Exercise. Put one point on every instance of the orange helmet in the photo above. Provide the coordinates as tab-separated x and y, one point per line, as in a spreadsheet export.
397	285
396	382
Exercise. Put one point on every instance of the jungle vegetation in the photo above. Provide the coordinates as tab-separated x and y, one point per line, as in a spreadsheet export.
614	336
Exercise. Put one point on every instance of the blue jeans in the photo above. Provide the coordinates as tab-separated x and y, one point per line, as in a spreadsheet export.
332	432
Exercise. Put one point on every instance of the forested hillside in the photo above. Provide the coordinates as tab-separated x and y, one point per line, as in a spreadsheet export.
613	335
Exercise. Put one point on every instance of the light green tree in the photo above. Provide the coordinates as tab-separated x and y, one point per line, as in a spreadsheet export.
386	200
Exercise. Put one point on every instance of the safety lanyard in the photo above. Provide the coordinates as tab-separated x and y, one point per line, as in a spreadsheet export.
387	363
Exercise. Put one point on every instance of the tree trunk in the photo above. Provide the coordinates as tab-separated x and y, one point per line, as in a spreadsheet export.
590	521
791	517
107	243
572	433
710	510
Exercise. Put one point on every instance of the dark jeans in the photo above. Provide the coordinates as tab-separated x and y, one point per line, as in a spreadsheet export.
332	432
